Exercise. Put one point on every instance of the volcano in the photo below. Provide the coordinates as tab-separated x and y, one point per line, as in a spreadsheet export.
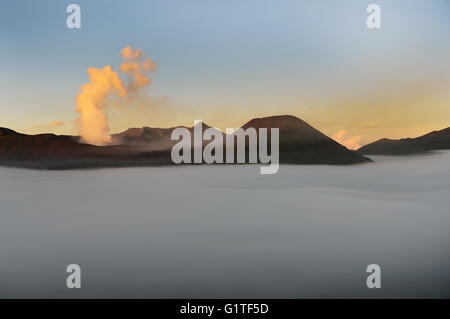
300	143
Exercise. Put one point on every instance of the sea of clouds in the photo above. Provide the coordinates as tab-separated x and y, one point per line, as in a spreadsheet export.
229	232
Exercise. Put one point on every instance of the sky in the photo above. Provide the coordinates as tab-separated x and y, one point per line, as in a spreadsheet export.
225	62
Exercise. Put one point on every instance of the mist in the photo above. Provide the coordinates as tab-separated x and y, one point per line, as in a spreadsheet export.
229	232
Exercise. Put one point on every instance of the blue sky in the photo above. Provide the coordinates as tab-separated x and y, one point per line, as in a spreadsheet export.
227	60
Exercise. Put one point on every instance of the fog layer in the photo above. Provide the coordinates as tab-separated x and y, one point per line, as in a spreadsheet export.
229	232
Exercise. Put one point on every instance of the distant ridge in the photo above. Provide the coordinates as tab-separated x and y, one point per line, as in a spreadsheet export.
300	143
159	138
436	140
7	132
153	138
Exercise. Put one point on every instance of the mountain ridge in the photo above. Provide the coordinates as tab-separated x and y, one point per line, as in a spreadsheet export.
434	140
300	143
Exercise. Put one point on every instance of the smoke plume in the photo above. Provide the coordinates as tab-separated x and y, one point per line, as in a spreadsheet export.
351	143
91	100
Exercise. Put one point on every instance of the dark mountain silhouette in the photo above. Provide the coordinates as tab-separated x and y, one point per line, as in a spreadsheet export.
7	132
436	140
300	143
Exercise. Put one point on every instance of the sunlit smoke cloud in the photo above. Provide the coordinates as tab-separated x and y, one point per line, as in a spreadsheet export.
49	126
351	143
129	53
136	68
339	135
56	123
93	122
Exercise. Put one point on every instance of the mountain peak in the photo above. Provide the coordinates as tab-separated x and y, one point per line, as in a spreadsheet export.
301	143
